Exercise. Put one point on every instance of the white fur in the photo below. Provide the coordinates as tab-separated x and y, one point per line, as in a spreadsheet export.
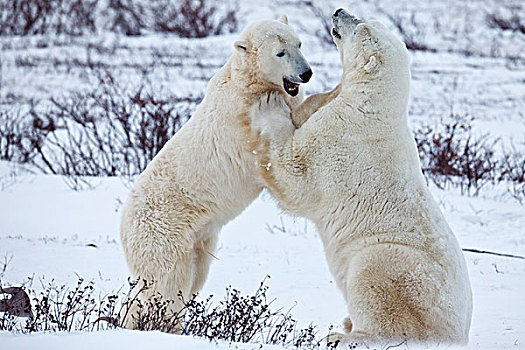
353	169
204	176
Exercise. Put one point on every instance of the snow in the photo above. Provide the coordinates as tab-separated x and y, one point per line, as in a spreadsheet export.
49	231
116	339
52	240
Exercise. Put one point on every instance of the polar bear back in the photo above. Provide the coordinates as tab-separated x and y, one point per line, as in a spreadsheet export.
207	144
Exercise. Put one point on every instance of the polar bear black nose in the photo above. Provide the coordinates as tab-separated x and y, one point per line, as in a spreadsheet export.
337	12
306	76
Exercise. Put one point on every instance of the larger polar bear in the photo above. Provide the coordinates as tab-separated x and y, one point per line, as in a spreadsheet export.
353	169
204	176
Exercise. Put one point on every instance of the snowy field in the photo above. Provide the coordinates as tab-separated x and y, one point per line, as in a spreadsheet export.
48	231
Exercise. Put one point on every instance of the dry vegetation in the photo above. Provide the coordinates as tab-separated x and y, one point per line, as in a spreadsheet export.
112	132
452	156
187	18
236	318
104	132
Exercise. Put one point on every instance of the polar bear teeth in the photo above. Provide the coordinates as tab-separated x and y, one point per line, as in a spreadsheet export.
290	88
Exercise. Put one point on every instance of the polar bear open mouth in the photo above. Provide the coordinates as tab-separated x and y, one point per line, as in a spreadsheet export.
291	88
336	34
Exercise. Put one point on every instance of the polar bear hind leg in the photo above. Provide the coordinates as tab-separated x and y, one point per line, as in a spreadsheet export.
393	294
161	261
166	289
203	255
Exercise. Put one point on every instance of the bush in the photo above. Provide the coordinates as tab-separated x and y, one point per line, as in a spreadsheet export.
245	319
513	171
320	13
17	141
453	156
59	308
511	22
105	132
237	318
186	18
193	19
125	16
412	30
27	17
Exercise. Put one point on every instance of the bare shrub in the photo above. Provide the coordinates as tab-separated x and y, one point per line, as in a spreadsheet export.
237	318
125	16
513	171
75	17
324	34
22	17
512	22
413	31
17	141
27	17
186	18
60	308
105	132
454	156
194	19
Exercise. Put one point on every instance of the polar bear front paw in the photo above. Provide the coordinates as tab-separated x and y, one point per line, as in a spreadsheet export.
270	114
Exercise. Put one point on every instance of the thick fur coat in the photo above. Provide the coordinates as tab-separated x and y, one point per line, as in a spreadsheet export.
353	169
205	175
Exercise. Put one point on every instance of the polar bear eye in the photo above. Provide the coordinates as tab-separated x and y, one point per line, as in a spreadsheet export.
300	44
280	53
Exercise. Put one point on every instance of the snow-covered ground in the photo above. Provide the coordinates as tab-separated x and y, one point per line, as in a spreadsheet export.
52	232
117	340
49	231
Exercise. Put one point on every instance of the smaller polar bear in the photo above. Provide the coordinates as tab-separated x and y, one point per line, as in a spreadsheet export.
353	169
205	175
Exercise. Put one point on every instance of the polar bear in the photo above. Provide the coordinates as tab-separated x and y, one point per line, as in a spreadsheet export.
204	176
353	169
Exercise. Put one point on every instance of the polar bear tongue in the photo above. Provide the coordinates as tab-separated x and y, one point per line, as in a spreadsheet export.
291	89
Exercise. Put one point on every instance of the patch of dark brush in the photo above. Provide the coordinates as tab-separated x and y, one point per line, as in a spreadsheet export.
187	18
451	155
236	318
108	131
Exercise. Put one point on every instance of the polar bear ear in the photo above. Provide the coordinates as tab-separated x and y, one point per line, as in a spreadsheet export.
283	19
372	65
242	46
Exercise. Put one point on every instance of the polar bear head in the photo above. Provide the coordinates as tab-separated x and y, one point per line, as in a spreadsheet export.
376	64
269	52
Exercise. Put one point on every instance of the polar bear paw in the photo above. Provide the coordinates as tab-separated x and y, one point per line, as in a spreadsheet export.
270	114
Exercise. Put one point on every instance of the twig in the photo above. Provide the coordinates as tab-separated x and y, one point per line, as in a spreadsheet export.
396	345
492	253
7	260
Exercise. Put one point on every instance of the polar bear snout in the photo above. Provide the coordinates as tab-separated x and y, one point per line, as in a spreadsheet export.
338	11
344	23
292	81
305	77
